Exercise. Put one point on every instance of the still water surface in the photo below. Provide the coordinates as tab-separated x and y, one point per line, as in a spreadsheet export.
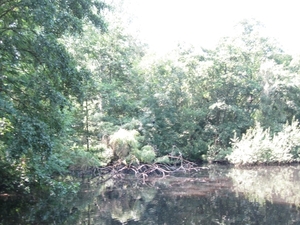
215	195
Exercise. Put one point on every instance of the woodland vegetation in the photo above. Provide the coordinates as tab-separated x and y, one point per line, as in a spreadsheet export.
78	92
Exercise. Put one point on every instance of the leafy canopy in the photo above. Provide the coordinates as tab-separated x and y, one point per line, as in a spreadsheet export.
38	78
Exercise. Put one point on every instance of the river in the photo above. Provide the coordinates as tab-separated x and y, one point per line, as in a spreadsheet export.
215	195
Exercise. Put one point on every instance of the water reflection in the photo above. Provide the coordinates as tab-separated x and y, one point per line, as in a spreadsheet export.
270	183
218	195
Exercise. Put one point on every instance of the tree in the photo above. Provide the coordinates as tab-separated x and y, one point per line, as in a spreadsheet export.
173	103
38	78
111	94
251	82
199	100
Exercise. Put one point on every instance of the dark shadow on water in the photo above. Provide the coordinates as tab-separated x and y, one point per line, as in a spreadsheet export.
217	195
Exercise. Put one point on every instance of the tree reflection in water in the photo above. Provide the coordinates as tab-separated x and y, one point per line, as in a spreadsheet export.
219	195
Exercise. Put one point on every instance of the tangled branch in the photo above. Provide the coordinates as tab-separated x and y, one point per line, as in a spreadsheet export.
143	171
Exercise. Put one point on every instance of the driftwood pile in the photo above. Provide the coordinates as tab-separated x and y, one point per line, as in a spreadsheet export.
142	171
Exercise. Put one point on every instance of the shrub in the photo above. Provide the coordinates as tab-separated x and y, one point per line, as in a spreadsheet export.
103	153
258	145
123	141
147	154
82	160
217	154
163	159
196	151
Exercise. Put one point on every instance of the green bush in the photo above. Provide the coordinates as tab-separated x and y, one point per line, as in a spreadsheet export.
163	159
82	160
259	146
123	142
146	154
217	154
103	153
197	151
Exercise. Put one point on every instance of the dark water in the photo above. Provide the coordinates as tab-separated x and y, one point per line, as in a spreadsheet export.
216	195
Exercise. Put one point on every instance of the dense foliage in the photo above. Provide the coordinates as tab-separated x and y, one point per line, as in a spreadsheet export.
39	82
259	146
199	101
75	93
